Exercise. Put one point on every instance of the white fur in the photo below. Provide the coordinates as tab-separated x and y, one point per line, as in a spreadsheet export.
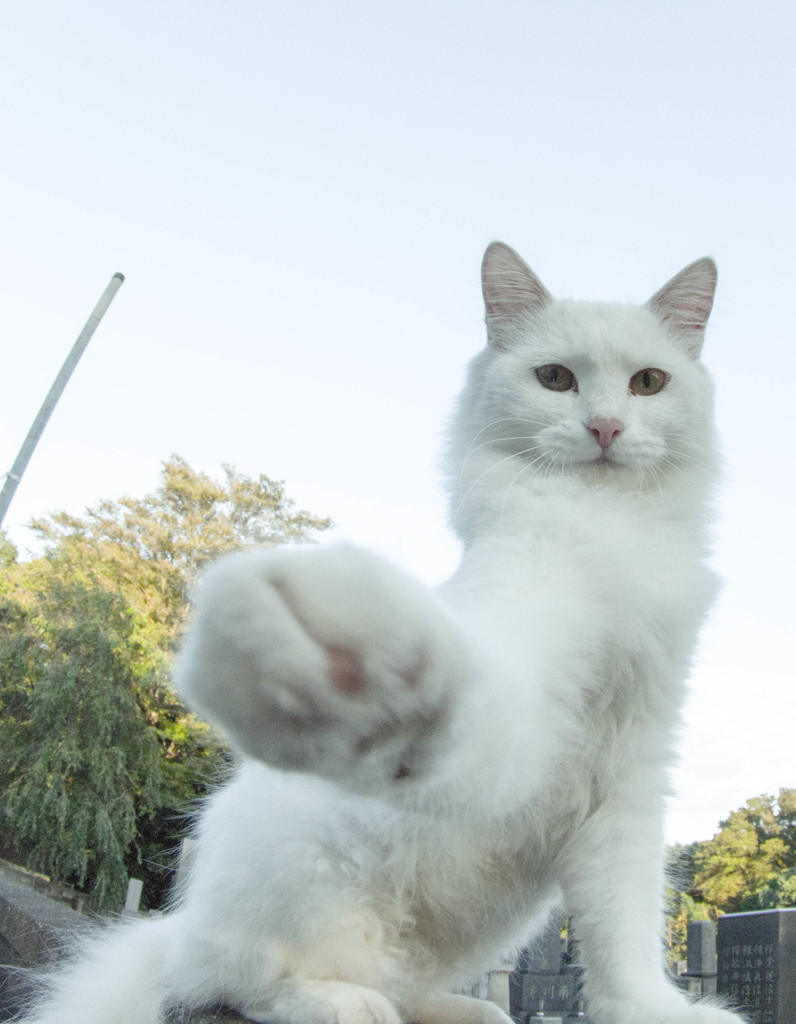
426	775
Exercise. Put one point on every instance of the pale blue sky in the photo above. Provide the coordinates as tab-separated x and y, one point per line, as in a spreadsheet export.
299	194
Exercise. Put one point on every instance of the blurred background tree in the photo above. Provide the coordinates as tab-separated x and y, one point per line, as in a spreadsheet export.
99	760
749	864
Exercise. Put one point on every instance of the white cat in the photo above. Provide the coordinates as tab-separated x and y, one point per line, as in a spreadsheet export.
427	775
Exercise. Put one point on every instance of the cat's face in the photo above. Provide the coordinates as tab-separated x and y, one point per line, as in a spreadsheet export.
596	387
601	391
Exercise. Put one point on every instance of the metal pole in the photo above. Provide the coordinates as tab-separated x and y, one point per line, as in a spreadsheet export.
15	473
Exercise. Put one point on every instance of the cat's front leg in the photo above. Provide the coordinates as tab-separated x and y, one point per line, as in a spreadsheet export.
613	887
326	660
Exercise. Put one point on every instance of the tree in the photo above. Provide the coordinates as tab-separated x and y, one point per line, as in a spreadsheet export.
685	910
97	754
750	859
8	551
749	864
150	550
684	903
78	763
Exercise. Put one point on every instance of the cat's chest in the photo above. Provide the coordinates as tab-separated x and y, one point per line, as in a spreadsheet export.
472	890
601	573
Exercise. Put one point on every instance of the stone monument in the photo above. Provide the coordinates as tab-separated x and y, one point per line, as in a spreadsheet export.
545	984
701	950
757	964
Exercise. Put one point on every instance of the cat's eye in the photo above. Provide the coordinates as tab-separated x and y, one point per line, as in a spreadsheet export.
648	382
555	377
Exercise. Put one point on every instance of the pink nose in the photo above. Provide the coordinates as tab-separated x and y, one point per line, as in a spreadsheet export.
605	431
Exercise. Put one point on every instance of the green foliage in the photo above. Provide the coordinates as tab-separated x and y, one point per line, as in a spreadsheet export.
744	863
76	759
151	548
780	891
749	864
98	757
685	910
683	903
8	551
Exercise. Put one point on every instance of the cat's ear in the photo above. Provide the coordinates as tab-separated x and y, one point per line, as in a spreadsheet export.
685	302
511	289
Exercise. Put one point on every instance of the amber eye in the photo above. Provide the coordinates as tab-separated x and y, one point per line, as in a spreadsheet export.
555	377
648	382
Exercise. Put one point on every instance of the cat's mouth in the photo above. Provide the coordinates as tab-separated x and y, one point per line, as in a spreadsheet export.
605	461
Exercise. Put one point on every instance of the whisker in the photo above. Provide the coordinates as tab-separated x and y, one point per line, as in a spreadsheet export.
500	440
648	473
658	477
473	447
489	469
529	465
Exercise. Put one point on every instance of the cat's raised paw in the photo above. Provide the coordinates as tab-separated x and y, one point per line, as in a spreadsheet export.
323	659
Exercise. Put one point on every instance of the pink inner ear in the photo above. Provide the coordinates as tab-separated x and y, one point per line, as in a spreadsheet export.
509	285
685	302
693	317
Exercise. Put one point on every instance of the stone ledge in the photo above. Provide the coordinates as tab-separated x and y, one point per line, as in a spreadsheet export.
33	928
32	924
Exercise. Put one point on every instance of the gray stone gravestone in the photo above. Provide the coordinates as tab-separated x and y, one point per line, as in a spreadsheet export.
544	984
701	952
757	964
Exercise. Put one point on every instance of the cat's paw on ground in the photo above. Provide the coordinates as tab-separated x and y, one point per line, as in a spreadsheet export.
323	659
457	1009
325	1002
